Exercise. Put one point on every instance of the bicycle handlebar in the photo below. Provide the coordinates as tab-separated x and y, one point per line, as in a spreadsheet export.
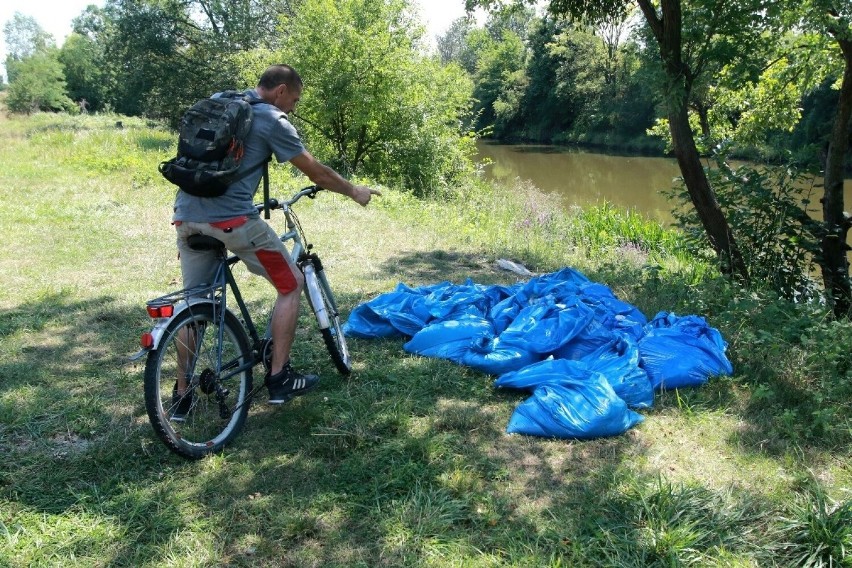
310	191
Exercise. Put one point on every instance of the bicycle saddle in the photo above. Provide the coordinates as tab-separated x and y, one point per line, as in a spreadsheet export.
204	242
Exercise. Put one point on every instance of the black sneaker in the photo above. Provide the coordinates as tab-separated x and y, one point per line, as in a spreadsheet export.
287	384
181	405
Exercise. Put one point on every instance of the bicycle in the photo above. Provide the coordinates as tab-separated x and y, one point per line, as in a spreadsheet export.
196	336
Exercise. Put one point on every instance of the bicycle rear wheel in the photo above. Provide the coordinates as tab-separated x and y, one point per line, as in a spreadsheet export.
213	408
322	302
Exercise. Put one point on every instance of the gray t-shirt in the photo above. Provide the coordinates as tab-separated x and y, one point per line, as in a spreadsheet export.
271	134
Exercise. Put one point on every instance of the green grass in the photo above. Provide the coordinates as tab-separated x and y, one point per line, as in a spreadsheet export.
407	462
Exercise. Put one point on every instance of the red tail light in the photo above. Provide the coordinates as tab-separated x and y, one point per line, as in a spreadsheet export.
163	311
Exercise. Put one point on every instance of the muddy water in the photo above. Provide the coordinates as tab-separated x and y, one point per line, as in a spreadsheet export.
586	178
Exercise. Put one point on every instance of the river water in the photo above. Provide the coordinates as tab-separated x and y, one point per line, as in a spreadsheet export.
586	178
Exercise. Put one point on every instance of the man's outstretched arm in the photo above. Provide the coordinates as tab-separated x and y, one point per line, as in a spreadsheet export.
326	177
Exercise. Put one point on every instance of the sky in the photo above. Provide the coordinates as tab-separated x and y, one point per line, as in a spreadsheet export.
55	16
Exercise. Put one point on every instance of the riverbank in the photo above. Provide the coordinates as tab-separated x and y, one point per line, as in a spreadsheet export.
406	463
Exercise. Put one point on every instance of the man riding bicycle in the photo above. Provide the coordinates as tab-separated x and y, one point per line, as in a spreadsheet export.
233	219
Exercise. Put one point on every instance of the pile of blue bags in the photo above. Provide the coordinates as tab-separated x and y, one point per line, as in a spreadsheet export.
588	359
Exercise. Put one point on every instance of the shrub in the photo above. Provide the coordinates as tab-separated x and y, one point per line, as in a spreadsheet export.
767	210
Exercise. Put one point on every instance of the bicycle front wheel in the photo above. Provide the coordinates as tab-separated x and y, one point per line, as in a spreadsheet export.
198	382
324	307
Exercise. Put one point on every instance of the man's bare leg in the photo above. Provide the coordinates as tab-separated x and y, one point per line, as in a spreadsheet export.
284	319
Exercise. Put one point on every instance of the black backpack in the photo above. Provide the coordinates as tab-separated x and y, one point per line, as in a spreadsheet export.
210	147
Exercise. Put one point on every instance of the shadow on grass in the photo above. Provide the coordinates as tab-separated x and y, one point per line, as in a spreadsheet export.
70	432
432	267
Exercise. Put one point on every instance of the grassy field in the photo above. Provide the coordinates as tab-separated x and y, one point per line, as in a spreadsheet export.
406	463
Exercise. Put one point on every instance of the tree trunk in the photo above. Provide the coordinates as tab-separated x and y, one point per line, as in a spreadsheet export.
834	262
667	30
703	119
703	198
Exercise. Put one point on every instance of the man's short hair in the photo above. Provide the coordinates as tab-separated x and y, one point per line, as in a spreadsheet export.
279	75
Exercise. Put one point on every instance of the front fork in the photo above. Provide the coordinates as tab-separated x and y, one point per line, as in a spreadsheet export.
310	266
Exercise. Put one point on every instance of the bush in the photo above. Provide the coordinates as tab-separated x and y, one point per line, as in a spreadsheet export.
39	85
767	210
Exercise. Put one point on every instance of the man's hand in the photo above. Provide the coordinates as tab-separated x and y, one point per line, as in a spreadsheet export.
362	194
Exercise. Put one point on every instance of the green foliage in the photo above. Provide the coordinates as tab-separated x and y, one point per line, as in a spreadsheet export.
546	79
40	85
794	360
499	82
453	46
373	104
84	77
767	208
156	58
546	110
24	38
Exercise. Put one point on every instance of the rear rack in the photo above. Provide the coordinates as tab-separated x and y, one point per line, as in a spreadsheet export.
203	291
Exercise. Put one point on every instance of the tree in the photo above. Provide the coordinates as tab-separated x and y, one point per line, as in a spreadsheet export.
24	38
80	57
453	45
816	48
835	19
157	57
547	107
241	24
39	85
499	73
373	103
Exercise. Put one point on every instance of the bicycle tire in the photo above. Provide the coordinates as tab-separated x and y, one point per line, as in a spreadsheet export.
203	431
322	303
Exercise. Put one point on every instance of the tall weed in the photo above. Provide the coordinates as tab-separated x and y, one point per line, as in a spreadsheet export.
816	531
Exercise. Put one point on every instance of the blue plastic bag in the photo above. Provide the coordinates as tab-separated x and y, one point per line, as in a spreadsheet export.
401	312
612	319
450	339
547	372
503	313
468	298
560	284
595	335
623	317
365	323
618	361
608	357
680	352
581	409
493	356
544	326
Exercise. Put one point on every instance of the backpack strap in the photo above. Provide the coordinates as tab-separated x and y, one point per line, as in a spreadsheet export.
265	165
266	188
